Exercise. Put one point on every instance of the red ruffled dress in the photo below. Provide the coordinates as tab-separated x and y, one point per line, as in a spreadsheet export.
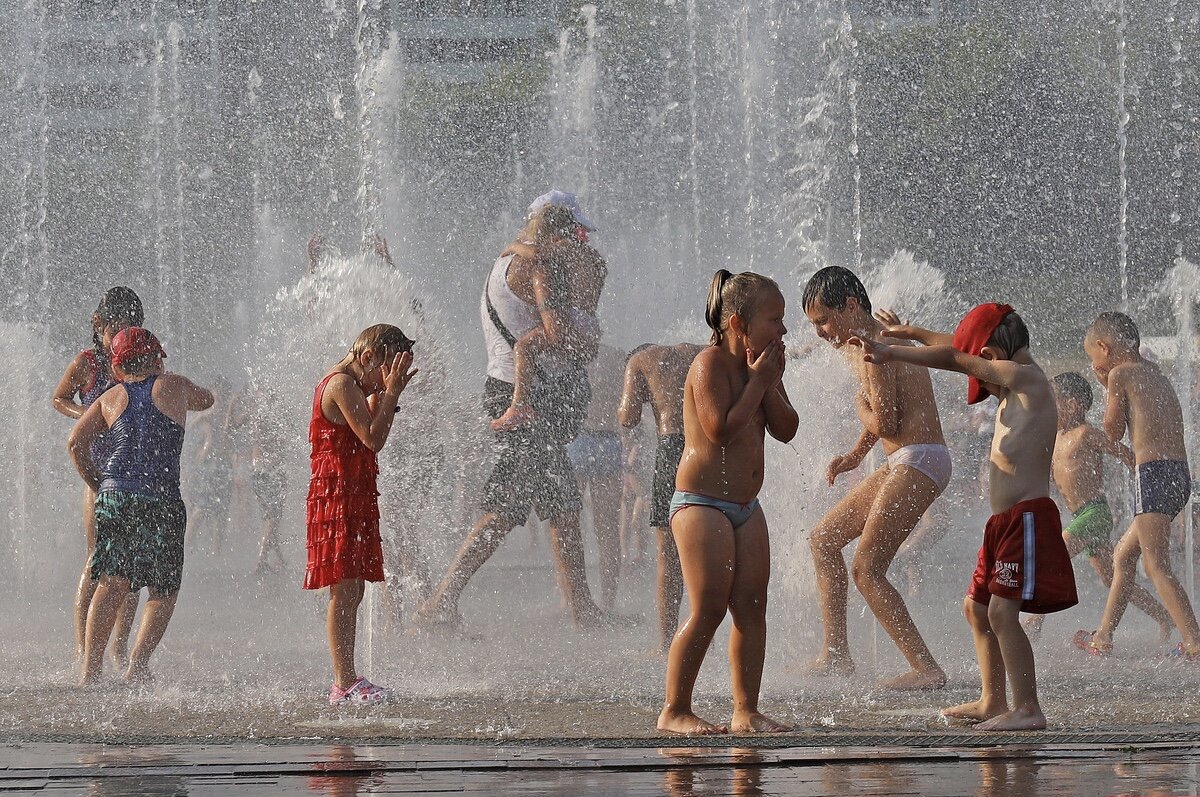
343	504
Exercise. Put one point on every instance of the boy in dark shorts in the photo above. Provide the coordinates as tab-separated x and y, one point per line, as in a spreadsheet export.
657	374
1023	564
140	517
1142	401
1078	472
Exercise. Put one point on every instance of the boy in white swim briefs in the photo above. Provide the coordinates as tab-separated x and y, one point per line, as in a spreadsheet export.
896	407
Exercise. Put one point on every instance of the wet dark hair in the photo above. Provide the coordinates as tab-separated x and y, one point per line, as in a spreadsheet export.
733	294
1074	386
1117	327
1010	335
119	304
833	285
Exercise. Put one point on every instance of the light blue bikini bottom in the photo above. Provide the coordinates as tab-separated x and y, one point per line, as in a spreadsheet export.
737	513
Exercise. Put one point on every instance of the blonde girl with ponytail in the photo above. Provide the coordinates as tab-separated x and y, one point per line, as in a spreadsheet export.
733	397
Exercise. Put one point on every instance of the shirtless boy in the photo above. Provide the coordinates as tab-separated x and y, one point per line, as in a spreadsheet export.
656	375
1078	473
1023	564
1142	402
895	405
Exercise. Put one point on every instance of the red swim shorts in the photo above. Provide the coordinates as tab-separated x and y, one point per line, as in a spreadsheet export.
1024	558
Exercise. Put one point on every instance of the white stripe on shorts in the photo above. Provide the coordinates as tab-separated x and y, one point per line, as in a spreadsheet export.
1030	556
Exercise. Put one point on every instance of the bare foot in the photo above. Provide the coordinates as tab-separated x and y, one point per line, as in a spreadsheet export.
829	664
916	681
685	723
89	681
754	722
1019	719
600	619
437	617
514	418
119	658
975	712
139	676
652	654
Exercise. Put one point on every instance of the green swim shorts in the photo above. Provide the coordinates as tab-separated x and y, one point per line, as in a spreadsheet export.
140	538
1092	524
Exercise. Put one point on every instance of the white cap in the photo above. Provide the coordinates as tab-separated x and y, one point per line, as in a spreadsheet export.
563	199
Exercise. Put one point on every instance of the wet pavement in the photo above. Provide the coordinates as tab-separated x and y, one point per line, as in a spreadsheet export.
1015	769
524	704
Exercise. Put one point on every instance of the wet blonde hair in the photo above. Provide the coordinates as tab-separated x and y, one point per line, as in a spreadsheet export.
381	337
734	294
550	221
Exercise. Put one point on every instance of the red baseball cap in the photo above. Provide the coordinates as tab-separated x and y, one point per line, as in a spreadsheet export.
972	335
134	342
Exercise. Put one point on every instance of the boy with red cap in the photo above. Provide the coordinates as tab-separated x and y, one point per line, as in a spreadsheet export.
140	517
1024	564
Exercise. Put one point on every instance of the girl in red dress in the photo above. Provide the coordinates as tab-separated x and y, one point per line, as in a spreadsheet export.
352	414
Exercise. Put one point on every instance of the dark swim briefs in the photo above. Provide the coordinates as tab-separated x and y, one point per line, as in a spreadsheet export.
666	464
1161	486
140	539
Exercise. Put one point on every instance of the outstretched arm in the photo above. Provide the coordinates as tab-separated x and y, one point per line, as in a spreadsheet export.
896	329
197	397
1004	373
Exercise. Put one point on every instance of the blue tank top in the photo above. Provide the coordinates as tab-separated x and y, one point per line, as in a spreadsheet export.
145	446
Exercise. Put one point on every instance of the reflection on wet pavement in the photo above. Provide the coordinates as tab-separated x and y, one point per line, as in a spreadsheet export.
344	770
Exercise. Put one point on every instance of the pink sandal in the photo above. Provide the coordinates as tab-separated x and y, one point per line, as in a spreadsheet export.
360	693
1181	653
1083	641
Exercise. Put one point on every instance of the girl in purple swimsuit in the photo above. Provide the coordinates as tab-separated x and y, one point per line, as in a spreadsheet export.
84	381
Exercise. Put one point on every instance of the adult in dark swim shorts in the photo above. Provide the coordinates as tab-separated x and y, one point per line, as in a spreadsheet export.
530	286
